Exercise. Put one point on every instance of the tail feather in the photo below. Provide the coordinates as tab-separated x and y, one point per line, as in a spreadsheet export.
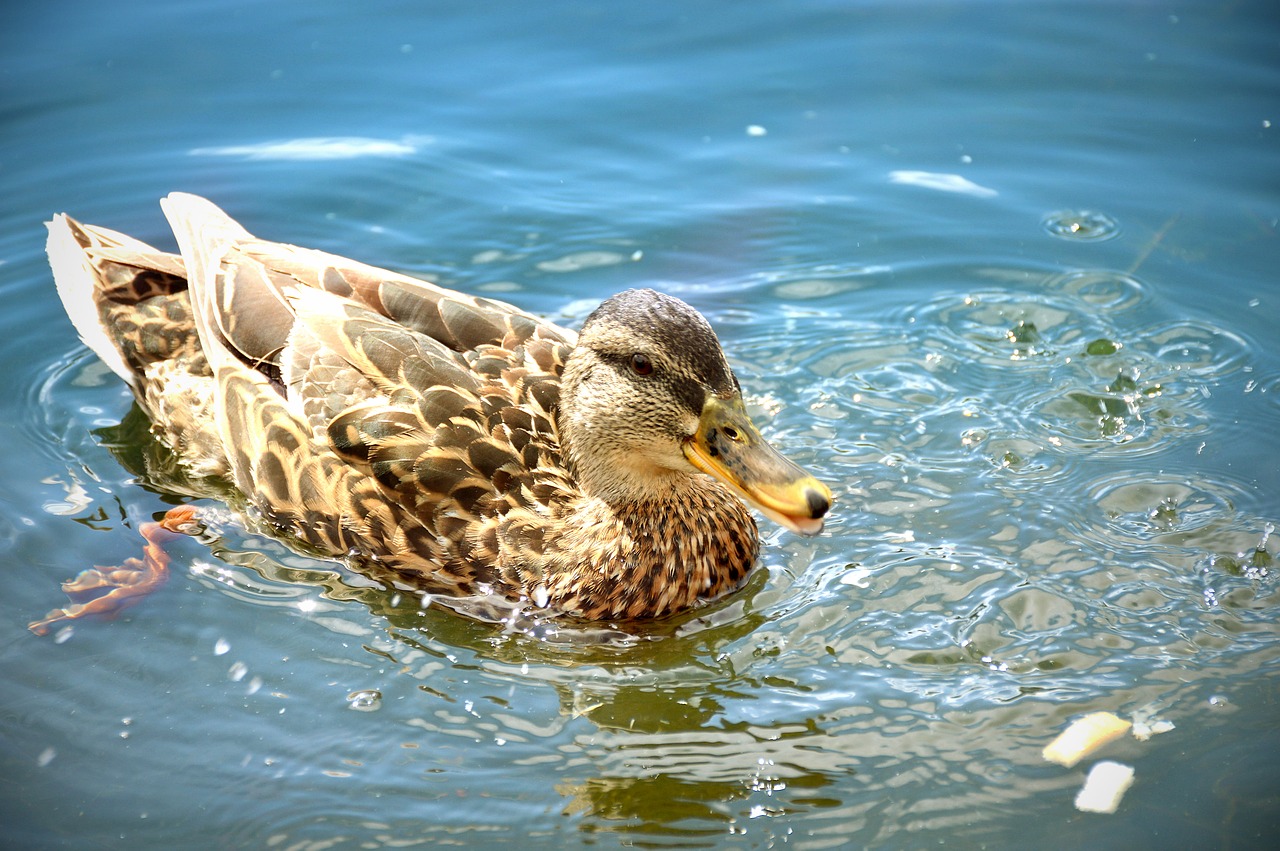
76	280
204	233
223	289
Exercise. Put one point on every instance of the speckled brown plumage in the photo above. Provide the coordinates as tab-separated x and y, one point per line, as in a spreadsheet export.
464	444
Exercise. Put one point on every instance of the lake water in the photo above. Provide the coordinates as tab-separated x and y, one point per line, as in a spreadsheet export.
1003	274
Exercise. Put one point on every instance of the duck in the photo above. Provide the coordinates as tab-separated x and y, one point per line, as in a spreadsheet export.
471	448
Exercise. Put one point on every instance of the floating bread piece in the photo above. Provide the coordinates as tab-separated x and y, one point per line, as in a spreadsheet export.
1104	787
1084	736
1145	728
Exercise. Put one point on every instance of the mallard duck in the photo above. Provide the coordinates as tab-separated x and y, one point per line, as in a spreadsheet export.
470	447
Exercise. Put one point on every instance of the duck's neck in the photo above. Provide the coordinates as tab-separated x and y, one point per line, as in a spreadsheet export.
630	559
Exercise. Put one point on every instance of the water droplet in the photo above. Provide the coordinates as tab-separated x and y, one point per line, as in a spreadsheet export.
1086	225
365	700
1023	332
1165	515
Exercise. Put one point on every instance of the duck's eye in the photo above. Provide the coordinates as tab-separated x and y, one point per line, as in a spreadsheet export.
641	364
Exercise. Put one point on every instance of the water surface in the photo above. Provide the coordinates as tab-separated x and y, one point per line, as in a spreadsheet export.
1001	274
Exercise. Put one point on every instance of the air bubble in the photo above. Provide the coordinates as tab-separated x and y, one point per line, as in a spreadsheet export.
365	700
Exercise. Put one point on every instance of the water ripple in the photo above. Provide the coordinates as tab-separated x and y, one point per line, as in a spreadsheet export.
1083	225
1100	289
1003	329
68	398
1196	347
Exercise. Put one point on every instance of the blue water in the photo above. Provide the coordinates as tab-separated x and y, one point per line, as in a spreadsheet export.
1003	274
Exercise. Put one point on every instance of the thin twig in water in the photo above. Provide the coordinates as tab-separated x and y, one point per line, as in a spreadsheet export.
1153	243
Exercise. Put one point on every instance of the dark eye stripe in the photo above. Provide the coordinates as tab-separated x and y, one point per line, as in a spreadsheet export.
688	391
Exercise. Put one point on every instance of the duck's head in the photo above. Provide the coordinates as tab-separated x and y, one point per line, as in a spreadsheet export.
648	397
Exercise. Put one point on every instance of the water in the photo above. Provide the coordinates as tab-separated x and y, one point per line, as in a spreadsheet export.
1002	274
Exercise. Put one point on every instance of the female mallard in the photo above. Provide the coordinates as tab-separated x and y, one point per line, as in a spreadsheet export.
469	446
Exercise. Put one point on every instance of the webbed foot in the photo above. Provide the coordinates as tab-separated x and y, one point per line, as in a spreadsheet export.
107	590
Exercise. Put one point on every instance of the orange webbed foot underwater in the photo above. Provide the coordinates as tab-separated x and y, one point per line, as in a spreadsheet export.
105	591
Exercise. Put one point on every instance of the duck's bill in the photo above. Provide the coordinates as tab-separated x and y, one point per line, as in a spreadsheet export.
730	448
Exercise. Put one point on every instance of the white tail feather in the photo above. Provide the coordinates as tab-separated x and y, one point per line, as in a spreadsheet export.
204	233
74	277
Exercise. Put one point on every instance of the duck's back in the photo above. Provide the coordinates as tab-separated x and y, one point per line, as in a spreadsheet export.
361	411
